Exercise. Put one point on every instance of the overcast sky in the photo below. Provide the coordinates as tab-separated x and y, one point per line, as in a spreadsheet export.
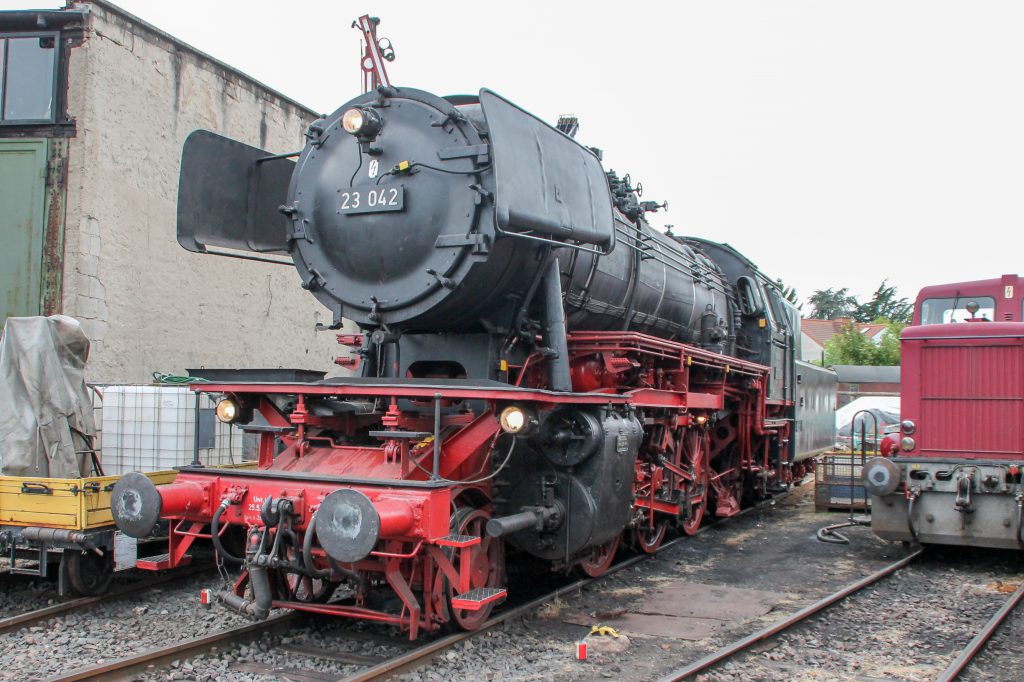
834	143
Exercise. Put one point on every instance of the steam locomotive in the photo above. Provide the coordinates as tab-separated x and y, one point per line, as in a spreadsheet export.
538	370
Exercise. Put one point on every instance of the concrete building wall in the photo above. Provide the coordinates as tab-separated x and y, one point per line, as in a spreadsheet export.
848	392
147	304
810	350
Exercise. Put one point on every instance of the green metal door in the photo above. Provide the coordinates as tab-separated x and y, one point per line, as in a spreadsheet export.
22	218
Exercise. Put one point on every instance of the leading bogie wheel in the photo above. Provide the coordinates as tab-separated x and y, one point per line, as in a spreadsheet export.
303	588
86	572
600	559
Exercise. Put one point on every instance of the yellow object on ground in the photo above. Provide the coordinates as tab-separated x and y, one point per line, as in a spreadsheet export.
603	630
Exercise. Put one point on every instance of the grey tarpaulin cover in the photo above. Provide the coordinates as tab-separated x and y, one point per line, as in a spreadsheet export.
880	411
45	408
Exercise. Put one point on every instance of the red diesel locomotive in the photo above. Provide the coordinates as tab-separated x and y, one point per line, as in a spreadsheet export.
956	477
539	371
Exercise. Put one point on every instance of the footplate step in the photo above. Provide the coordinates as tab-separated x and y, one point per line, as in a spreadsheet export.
458	541
474	600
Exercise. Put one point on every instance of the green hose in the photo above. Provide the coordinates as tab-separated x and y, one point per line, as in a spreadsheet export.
172	379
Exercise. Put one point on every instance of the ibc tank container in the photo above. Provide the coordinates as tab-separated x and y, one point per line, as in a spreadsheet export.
152	428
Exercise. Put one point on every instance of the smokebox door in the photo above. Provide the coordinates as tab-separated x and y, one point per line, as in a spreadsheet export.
229	194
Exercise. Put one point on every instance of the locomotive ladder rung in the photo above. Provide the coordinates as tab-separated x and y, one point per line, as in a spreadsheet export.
458	541
474	600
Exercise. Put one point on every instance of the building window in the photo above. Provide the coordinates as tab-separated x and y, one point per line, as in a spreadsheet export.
28	74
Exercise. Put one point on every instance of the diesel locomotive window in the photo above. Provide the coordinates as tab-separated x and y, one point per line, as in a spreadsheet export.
946	310
28	68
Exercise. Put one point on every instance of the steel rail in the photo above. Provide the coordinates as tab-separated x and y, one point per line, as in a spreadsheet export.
123	668
421	655
741	644
975	645
37	615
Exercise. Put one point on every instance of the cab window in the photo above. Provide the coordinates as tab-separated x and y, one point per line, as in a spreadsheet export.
781	320
947	310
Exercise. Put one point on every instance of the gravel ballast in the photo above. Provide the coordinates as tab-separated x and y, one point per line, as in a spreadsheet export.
154	617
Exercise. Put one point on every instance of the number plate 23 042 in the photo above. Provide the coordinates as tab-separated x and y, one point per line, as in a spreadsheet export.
375	200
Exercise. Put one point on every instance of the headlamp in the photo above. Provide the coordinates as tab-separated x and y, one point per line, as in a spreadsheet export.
517	420
228	410
361	122
514	420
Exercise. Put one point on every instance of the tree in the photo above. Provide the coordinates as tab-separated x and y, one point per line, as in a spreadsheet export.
889	348
789	293
829	304
849	347
852	347
885	304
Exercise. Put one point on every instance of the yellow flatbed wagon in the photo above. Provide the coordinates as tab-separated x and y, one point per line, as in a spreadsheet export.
43	520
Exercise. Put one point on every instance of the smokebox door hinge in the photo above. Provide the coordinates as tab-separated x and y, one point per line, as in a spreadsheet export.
314	281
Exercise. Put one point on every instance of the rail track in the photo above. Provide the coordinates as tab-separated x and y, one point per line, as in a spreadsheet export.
126	667
738	646
130	666
958	664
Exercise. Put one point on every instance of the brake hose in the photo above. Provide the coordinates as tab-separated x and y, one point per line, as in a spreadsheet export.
911	499
215	534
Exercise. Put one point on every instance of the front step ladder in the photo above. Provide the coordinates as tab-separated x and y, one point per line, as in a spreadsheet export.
160	562
476	599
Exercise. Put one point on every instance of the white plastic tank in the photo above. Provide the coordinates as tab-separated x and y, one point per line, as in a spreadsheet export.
152	428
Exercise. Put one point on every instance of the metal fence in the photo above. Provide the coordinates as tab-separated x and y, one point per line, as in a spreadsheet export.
837	482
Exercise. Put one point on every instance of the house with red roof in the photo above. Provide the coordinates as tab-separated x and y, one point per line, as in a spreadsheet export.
816	333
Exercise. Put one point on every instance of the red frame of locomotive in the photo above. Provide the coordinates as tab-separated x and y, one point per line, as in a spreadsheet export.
419	551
